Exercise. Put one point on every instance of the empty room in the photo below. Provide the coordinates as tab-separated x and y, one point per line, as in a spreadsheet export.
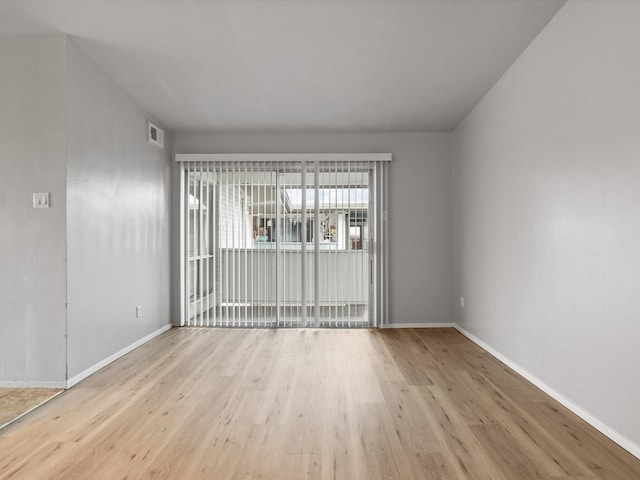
320	239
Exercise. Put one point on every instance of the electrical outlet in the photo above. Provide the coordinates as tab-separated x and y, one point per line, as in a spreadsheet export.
461	302
138	311
41	200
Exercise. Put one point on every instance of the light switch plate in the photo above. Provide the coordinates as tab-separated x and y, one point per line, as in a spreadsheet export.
41	200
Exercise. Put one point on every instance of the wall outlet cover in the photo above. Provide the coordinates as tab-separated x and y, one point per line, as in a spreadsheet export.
41	200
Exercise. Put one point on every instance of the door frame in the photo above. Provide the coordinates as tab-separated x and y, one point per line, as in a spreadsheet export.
378	240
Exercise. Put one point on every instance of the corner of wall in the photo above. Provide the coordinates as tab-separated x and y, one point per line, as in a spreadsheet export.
32	156
129	192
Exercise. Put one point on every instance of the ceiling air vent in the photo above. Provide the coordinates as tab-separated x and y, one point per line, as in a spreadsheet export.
155	135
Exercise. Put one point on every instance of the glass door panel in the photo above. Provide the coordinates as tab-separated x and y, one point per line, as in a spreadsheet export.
343	261
295	258
279	244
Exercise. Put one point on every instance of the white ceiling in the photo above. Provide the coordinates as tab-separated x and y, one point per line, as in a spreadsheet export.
297	65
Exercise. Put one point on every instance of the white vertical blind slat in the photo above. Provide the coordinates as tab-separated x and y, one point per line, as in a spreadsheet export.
195	246
303	242
248	259
188	244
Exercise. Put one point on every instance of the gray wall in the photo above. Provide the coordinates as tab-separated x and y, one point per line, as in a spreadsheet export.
419	208
547	212
118	222
32	242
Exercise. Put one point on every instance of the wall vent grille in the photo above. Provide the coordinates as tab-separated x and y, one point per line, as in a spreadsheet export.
155	135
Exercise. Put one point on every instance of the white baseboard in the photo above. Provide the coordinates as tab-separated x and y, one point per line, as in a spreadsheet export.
418	325
31	409
29	384
614	435
91	370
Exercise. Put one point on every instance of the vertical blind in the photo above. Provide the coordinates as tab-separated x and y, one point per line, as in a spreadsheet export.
282	243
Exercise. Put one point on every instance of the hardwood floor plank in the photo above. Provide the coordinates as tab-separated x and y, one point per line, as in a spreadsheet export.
510	456
602	457
468	457
412	427
383	460
341	454
308	404
413	371
541	445
431	466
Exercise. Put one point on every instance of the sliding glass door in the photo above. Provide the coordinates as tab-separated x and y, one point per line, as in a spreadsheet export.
281	243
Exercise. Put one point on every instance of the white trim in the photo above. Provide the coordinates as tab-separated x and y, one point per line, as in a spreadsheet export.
31	409
614	435
418	325
103	363
283	157
32	384
183	257
316	243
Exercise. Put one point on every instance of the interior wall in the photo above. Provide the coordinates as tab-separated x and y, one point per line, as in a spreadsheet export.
419	208
118	218
547	213
32	241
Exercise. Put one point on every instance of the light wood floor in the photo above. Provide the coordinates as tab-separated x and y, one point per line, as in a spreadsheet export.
17	401
297	404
